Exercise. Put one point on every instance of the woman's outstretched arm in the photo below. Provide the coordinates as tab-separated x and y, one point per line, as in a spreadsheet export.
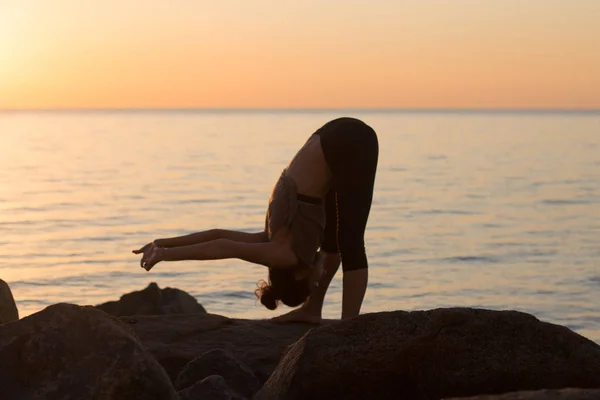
269	254
210	235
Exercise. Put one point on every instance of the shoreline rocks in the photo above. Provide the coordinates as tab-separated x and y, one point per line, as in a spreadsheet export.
8	308
153	301
72	352
160	343
446	352
219	362
562	394
176	340
213	387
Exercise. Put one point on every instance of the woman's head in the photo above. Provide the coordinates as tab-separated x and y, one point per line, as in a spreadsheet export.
285	287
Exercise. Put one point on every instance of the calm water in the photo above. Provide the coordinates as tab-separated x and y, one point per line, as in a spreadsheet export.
494	210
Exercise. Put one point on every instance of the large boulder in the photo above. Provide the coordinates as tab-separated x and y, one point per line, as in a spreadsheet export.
8	308
433	354
562	394
213	387
153	301
175	340
72	352
222	363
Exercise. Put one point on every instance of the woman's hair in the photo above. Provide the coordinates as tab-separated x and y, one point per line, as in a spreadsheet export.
282	287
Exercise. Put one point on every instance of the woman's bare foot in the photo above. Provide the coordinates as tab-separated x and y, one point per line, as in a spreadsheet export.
299	315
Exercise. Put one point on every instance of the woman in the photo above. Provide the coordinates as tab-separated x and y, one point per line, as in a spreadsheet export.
316	219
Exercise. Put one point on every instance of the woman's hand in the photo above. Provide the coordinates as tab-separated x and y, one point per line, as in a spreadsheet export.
151	255
146	252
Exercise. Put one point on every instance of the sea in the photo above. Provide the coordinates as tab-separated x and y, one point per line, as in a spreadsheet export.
487	209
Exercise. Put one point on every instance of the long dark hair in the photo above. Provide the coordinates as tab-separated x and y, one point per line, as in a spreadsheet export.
283	287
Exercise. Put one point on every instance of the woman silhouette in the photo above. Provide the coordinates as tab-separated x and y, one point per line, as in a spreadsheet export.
315	221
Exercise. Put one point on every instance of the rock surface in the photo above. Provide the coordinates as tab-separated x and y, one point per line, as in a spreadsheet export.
175	340
212	387
153	301
219	362
71	352
8	308
564	394
434	354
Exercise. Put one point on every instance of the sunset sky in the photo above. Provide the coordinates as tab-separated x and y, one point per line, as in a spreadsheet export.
294	54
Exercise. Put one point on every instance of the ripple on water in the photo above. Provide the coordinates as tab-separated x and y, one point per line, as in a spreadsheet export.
436	211
17	224
437	157
28	303
564	202
193	201
238	294
43	261
418	295
96	239
76	280
169	274
491	225
380	285
471	259
561	182
544	292
594	280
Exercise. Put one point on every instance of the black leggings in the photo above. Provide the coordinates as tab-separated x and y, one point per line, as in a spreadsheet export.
351	151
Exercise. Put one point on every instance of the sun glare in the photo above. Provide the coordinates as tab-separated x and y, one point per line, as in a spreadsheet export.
6	41
11	46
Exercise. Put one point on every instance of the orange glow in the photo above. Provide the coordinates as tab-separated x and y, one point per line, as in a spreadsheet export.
464	53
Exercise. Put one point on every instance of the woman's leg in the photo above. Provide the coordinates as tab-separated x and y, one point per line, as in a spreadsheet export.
352	150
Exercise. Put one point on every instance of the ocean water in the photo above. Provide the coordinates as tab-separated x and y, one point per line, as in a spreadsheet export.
480	209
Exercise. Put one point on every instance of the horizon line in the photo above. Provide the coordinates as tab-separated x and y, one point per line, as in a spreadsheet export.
303	109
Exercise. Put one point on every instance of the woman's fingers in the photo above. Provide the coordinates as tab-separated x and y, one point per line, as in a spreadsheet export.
143	249
149	264
139	250
149	257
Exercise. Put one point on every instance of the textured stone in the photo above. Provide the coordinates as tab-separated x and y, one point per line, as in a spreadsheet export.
564	394
212	387
219	362
8	308
153	301
175	340
70	352
433	354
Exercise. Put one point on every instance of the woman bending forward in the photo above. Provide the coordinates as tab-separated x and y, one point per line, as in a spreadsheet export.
315	221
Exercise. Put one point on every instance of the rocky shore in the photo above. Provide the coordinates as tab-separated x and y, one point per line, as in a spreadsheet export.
161	344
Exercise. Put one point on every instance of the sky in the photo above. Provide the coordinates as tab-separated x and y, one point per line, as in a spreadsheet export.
300	54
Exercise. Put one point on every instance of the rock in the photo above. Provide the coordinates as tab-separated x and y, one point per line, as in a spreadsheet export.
433	354
72	352
8	308
175	340
219	362
564	394
212	387
153	301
